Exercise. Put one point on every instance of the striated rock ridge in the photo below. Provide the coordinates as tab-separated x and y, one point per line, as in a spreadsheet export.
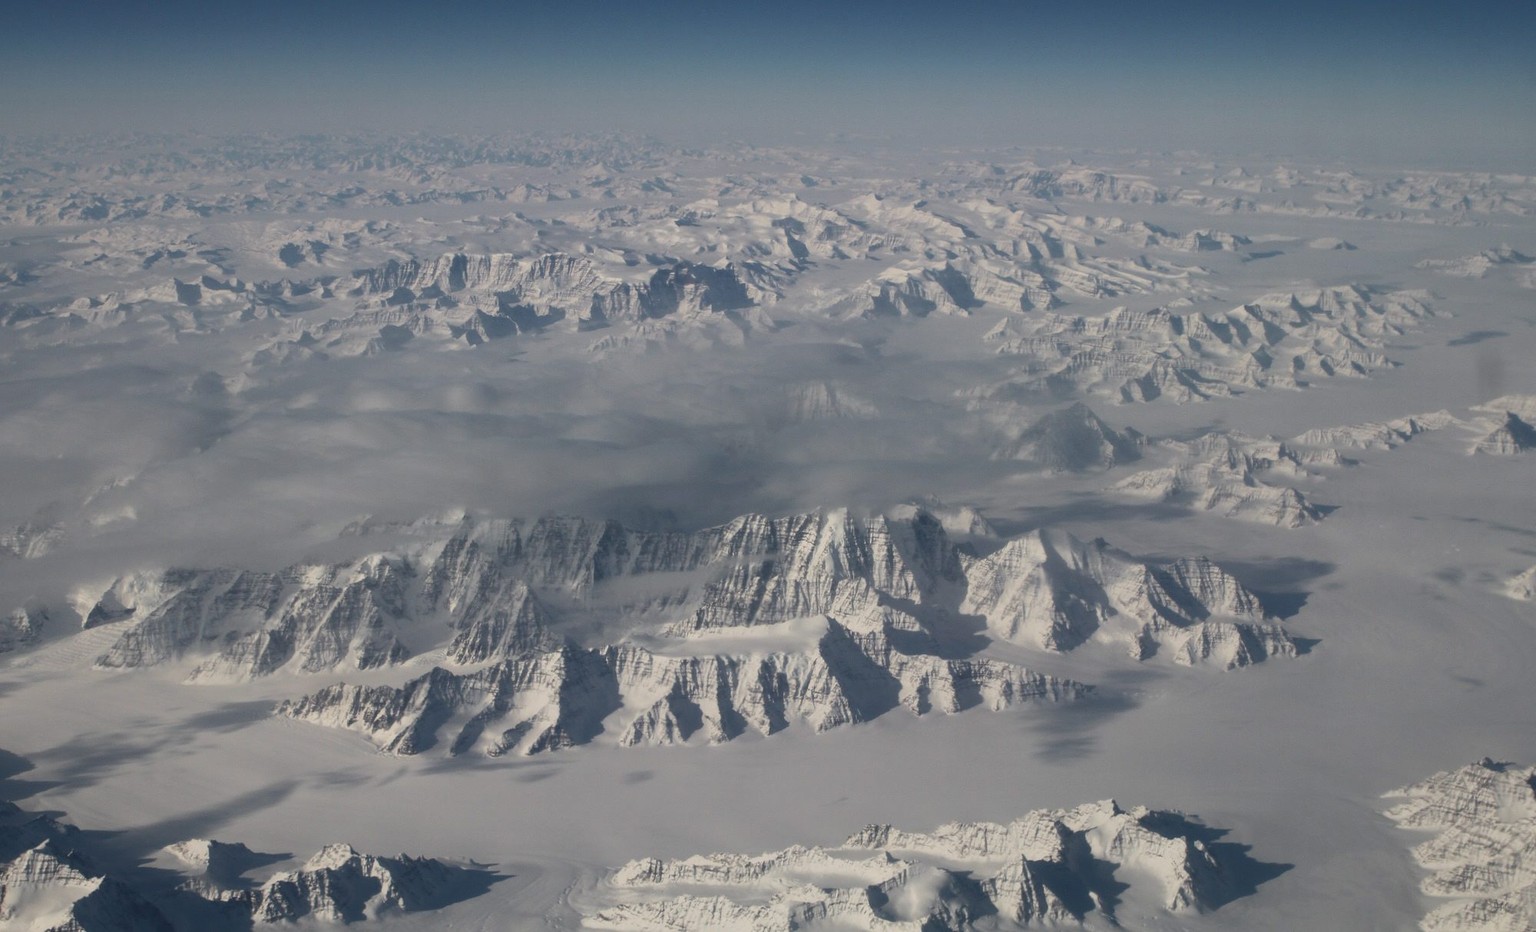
506	621
1029	258
1244	497
22	627
900	292
871	588
1511	437
216	866
533	292
1086	183
1159	844
1002	256
908	558
482	590
468	299
546	701
822	401
1522	586
1050	590
730	869
754	570
339	884
316	617
1386	435
1211	241
1073	439
32	538
21	830
960	522
799	906
480	579
308	618
1144	235
1522	406
1504	427
1262	504
47	883
1046	868
785	568
1476	266
1483	855
1277	341
51	888
1232	475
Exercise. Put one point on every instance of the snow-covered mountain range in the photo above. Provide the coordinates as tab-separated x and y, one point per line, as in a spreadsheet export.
563	507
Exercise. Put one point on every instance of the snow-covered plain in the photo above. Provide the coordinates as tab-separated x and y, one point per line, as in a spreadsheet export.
541	507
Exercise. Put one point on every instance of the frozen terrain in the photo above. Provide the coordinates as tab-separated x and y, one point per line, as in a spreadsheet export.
1484	815
1096	864
53	881
560	509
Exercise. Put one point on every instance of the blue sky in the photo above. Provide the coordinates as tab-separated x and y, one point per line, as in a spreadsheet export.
1410	79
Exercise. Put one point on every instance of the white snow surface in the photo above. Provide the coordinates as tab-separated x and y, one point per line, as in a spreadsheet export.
726	498
1483	857
1083	865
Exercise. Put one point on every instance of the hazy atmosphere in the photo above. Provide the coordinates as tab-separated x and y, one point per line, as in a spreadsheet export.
751	467
1380	82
